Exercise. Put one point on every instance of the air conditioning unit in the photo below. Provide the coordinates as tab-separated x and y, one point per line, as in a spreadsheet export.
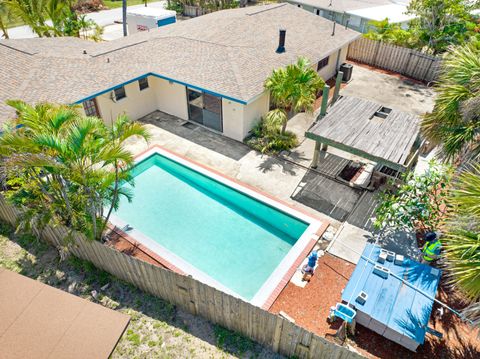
382	257
399	259
381	271
390	256
361	297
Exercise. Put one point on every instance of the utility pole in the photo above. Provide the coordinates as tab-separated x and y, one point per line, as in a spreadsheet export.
124	15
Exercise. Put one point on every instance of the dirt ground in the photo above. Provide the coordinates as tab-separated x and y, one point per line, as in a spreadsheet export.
157	328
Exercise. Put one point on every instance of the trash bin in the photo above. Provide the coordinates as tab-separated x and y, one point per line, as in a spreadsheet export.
347	70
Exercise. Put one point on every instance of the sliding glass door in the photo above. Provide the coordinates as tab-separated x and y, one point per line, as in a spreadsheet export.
205	109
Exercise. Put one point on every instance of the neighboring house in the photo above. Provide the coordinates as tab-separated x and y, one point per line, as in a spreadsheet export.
210	70
358	13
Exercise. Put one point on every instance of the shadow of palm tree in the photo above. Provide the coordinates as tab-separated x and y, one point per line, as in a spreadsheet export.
269	162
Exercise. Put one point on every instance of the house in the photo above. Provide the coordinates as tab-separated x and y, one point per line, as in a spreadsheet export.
209	70
356	14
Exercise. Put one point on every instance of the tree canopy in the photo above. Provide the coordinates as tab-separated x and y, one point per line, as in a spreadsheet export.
61	167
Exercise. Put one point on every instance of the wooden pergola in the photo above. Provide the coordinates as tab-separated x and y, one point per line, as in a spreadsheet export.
369	130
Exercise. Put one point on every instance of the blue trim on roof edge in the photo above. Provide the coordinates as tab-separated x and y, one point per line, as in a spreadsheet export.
96	94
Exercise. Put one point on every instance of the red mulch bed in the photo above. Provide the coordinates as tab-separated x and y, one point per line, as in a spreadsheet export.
309	306
124	246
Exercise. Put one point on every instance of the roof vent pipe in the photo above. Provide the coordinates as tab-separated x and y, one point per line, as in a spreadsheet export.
333	30
281	41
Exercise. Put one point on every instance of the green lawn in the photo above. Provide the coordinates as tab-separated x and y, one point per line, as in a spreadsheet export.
157	328
118	3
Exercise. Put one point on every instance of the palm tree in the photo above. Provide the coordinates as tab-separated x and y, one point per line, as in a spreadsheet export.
463	239
4	18
66	168
455	119
32	13
293	89
121	130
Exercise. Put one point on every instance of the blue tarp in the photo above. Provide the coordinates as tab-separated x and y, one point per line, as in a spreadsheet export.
390	301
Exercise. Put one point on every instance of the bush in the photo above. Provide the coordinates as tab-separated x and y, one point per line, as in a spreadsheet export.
270	141
176	6
86	6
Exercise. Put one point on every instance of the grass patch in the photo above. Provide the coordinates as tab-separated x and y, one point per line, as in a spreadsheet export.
133	337
112	4
232	341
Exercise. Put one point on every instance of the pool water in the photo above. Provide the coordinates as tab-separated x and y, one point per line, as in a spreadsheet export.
228	235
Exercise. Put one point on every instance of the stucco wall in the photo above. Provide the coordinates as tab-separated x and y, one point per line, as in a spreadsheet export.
254	111
233	117
170	97
239	119
137	103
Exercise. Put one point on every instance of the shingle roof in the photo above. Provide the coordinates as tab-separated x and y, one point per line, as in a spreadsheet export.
229	52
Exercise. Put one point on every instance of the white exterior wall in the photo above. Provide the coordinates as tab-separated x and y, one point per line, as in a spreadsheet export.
330	70
239	119
134	20
170	97
233	117
137	103
254	111
343	56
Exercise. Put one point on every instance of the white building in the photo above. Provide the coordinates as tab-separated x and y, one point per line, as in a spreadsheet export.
209	70
356	14
148	18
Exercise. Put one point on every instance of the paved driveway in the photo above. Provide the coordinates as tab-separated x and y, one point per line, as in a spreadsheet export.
390	90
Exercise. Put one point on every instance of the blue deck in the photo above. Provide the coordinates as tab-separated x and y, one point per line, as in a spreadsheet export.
390	301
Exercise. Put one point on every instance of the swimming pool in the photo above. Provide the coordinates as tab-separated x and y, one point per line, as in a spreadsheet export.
220	232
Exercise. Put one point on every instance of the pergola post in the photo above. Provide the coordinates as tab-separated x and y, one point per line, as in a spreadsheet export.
323	108
323	111
316	154
338	83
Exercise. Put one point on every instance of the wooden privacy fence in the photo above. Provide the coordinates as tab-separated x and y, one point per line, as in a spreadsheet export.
411	63
194	11
196	297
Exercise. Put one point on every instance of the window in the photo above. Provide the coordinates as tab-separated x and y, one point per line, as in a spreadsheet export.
120	93
90	107
205	109
322	63
143	83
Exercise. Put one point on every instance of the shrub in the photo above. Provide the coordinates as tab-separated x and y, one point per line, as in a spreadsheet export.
267	140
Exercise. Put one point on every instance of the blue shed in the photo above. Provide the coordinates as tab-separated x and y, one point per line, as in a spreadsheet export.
396	309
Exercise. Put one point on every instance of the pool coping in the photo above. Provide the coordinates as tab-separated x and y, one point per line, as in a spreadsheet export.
274	284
